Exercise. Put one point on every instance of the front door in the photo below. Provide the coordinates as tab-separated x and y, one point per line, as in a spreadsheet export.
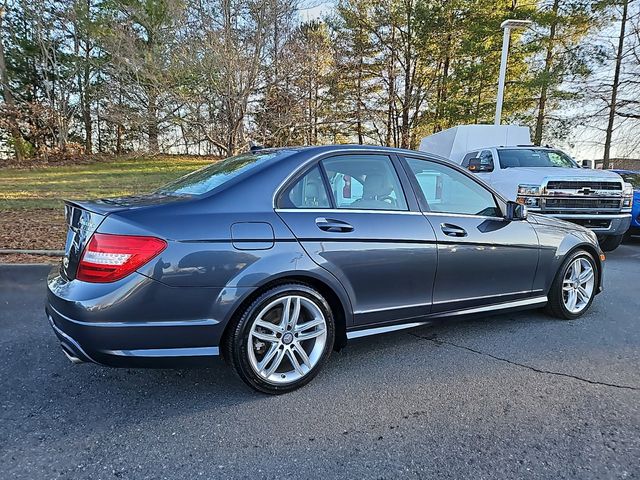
351	215
482	257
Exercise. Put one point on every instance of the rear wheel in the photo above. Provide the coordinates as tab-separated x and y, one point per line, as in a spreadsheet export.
574	287
610	243
281	341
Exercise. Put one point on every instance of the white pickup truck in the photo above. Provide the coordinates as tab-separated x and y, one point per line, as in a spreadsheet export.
544	179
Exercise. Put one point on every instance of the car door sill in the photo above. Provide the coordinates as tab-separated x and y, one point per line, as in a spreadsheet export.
496	307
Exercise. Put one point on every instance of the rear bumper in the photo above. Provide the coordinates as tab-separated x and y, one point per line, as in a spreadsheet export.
137	322
105	345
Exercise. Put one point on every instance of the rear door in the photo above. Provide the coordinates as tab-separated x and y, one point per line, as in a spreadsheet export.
353	217
482	257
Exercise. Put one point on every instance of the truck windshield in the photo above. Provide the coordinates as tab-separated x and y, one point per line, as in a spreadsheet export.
534	157
206	179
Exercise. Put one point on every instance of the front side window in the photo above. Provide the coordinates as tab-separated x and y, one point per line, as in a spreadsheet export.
446	190
308	192
534	157
366	182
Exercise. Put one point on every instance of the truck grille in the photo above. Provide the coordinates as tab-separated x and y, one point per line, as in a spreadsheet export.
590	203
578	184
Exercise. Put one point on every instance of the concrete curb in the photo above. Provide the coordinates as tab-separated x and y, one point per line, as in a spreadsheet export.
50	253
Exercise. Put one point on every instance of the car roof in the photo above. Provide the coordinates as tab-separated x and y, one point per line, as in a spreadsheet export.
350	147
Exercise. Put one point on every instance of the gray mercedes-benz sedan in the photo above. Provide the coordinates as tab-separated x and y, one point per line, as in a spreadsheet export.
277	257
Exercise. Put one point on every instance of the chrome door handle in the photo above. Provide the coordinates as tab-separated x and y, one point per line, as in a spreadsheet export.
453	230
332	225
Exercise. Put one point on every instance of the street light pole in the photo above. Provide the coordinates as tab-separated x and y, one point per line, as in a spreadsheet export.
507	25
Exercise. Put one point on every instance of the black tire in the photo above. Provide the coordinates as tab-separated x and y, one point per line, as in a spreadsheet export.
556	307
610	243
235	346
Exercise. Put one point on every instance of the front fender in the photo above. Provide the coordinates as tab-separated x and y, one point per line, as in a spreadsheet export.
555	244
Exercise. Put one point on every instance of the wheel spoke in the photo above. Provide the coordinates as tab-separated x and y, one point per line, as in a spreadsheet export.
267	357
310	324
303	355
586	275
268	326
264	336
276	362
309	335
286	310
577	268
295	314
572	298
583	295
294	362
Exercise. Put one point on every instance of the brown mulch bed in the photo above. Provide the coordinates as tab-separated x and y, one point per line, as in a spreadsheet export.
19	258
38	229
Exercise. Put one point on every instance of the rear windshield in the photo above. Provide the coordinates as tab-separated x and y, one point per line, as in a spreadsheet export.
534	157
207	178
632	178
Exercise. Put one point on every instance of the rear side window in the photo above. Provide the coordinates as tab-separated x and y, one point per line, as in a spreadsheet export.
365	182
308	192
207	178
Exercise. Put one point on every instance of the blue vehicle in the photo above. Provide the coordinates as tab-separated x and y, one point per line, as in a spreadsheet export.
633	177
275	258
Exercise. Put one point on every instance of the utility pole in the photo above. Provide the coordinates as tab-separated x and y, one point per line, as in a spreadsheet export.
507	26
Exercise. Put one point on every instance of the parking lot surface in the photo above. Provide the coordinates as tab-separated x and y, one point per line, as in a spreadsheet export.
511	396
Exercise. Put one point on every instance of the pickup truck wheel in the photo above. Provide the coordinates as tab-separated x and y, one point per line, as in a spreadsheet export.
610	243
574	287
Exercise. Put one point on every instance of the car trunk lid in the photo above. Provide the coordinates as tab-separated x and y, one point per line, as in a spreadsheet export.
84	217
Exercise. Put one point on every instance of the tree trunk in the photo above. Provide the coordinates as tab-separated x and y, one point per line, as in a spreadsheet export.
18	141
408	80
86	103
392	92
542	102
152	122
614	87
359	101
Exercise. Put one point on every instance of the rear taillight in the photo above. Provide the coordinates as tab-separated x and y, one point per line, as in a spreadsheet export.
108	258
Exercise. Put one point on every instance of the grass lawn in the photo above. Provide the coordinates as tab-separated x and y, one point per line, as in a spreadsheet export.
31	200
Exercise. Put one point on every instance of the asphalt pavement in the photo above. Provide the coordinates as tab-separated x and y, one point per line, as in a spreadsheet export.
511	396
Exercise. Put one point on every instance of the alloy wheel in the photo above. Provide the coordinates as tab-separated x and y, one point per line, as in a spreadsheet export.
287	339
578	285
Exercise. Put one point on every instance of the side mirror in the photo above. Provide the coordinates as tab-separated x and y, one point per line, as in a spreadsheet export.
476	165
516	211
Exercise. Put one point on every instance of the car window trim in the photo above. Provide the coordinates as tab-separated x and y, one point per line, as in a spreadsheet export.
305	167
347	210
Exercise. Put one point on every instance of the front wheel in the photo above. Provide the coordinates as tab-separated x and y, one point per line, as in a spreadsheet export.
610	243
281	341
574	287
